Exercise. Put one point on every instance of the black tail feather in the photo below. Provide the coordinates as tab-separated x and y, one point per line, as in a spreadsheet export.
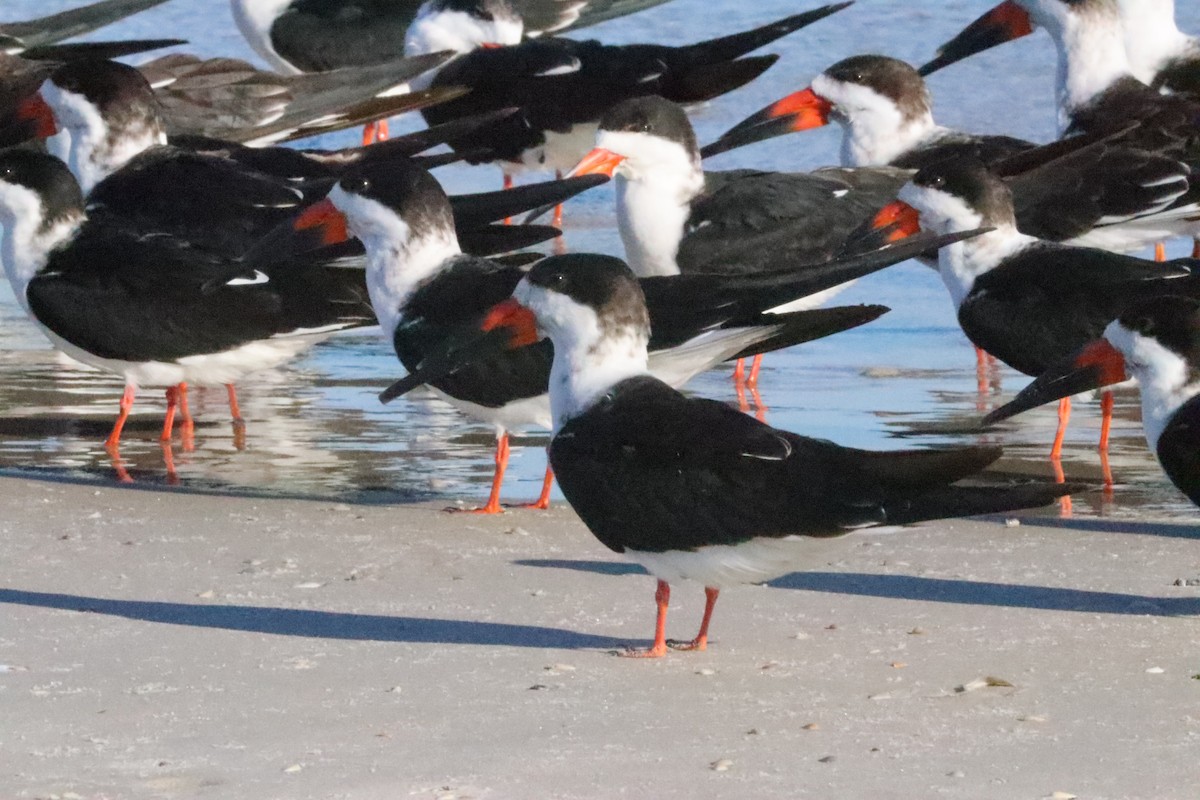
969	501
706	81
806	326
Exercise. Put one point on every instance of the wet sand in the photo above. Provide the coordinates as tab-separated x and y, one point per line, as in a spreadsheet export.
159	644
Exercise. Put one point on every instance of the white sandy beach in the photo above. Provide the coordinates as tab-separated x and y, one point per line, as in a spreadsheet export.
159	644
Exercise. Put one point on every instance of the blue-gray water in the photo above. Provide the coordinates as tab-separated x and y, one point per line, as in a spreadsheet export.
907	380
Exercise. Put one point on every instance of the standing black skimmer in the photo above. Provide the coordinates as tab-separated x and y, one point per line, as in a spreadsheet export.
885	112
692	489
219	195
306	36
152	308
424	290
1158	344
564	86
1026	301
675	217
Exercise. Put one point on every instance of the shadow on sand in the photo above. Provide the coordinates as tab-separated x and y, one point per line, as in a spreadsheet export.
319	624
939	590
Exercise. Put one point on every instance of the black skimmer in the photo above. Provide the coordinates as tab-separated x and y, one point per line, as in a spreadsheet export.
1025	301
424	290
103	119
692	489
564	86
311	36
675	217
152	308
885	111
1158	344
1096	191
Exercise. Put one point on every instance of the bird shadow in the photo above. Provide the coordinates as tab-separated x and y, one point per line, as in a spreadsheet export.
984	593
319	624
939	590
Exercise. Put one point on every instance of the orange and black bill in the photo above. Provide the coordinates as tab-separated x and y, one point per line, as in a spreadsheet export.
1003	23
1094	366
799	111
506	326
897	221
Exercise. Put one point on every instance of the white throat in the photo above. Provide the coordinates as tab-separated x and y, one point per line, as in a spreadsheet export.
25	246
397	263
1091	54
589	358
875	132
961	263
93	151
655	186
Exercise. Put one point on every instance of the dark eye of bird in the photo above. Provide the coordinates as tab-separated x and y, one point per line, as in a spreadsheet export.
938	181
857	77
356	185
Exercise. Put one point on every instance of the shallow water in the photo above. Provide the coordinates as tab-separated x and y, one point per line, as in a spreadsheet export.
316	427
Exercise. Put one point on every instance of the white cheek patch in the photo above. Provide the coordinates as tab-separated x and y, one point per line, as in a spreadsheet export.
644	152
1162	374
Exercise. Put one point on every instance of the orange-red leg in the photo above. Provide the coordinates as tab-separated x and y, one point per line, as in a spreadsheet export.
239	424
558	208
701	640
188	425
1196	248
1064	502
1106	415
1160	251
755	368
169	462
375	132
113	442
1064	416
543	501
508	184
739	372
493	503
169	419
662	598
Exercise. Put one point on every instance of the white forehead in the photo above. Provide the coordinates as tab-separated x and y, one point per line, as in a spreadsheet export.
368	218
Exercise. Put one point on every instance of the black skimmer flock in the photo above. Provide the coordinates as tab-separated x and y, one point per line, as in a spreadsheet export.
423	289
1026	301
690	488
565	86
103	119
152	308
1157	343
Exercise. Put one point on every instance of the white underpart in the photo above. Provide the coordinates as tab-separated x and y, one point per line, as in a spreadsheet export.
1091	50
655	186
91	156
1151	37
209	369
754	561
961	263
1161	373
254	19
396	262
434	31
588	360
559	152
875	132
